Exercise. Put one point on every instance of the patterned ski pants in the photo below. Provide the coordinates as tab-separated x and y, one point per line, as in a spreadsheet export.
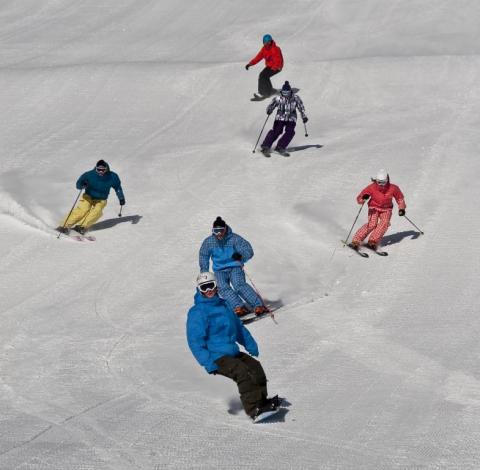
232	287
377	225
86	213
249	375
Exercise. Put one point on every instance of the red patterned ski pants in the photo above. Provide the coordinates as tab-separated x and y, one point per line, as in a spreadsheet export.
377	225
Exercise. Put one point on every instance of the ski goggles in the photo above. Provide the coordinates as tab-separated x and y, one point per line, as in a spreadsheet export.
207	286
382	183
100	169
218	230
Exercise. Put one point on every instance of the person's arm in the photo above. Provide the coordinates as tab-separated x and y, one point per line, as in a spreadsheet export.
400	199
243	248
258	57
197	341
273	104
301	108
204	256
246	339
364	195
277	59
117	186
82	182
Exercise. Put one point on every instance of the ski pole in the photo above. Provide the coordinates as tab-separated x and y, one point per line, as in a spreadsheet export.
305	125
354	222
261	132
421	232
272	316
120	213
70	213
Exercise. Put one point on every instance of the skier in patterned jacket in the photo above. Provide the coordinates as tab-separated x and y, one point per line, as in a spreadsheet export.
273	65
213	332
379	195
285	120
229	252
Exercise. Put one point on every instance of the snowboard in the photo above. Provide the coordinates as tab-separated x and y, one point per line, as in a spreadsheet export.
258	97
264	416
251	317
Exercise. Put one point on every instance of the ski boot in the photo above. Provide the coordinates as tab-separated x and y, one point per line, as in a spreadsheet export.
64	230
282	151
80	229
266	152
241	311
260	310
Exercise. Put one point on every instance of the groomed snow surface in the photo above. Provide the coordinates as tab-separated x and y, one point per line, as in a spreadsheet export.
378	358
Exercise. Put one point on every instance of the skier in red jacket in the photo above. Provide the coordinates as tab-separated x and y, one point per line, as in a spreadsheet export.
379	195
273	64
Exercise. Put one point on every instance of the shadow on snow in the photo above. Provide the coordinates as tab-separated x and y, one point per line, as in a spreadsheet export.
109	223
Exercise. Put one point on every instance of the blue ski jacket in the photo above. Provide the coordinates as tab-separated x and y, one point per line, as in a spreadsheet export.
98	186
221	251
213	331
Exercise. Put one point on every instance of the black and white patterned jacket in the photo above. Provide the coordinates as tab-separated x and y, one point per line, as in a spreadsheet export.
287	107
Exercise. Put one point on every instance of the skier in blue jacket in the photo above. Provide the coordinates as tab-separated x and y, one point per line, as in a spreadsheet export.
97	184
229	252
213	332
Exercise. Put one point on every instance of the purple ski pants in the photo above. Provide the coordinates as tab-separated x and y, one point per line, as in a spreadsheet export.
274	133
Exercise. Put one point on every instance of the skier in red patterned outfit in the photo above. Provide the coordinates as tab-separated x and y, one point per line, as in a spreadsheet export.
379	195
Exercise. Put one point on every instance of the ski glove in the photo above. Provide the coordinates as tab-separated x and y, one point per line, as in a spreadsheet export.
247	66
365	196
305	119
84	185
237	256
213	372
122	202
401	212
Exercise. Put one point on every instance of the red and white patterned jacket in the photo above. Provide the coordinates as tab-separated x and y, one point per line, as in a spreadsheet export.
381	196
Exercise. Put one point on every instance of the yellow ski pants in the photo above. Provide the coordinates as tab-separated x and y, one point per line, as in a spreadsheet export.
87	212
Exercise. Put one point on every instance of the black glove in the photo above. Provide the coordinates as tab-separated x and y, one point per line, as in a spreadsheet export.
237	256
305	119
122	202
269	112
365	196
247	66
214	372
84	185
401	212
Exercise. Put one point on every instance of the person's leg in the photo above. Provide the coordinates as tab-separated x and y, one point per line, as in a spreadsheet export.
257	372
382	226
79	212
240	286
273	134
225	291
365	229
95	213
265	87
287	136
251	392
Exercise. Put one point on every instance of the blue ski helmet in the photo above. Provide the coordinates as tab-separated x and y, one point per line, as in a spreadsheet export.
267	38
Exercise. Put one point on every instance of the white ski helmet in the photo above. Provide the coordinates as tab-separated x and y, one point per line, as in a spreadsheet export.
382	176
205	277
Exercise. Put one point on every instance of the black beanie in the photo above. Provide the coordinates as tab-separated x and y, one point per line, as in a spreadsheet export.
219	222
102	163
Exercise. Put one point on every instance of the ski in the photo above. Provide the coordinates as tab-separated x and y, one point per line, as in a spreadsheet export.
252	317
265	415
283	153
76	236
355	249
378	252
257	97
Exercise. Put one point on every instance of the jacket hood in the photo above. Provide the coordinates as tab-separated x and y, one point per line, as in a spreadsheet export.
102	162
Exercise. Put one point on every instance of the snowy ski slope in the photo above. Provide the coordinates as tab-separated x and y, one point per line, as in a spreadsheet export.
378	358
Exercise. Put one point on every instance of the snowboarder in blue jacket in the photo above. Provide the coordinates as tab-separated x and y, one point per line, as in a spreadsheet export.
97	184
229	252
213	334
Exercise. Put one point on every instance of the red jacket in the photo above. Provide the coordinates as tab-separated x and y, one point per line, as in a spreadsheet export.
273	57
381	196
